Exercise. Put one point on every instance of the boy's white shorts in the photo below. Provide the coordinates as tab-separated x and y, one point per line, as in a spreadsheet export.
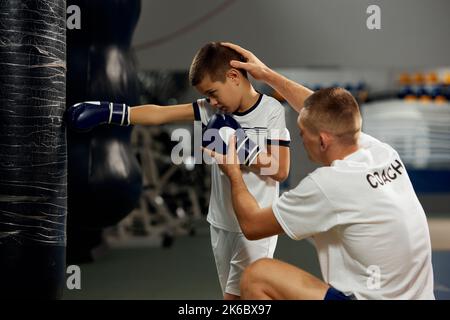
233	253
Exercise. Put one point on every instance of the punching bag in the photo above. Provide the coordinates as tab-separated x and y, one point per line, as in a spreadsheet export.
104	177
33	157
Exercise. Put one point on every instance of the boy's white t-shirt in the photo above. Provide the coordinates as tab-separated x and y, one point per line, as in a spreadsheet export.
263	122
368	226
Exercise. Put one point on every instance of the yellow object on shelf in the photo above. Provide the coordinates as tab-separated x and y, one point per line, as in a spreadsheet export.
432	78
447	79
440	100
419	78
425	99
404	79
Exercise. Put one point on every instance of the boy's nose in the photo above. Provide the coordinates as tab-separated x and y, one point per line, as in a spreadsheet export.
213	102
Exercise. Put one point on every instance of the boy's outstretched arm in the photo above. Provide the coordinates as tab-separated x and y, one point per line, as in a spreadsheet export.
89	114
151	114
294	93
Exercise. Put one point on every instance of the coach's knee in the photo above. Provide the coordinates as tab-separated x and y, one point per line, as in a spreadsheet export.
254	274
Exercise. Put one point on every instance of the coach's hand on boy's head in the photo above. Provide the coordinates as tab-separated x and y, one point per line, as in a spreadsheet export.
228	162
254	66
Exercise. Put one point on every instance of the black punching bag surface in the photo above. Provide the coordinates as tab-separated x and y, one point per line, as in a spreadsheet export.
104	177
33	157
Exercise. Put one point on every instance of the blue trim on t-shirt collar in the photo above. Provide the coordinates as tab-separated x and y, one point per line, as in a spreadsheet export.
196	108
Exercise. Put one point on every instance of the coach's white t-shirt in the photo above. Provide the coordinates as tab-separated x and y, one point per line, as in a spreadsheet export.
370	230
263	122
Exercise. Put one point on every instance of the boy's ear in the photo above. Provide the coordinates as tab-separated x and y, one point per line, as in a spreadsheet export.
233	74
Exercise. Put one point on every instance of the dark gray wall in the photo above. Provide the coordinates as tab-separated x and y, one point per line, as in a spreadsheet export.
295	33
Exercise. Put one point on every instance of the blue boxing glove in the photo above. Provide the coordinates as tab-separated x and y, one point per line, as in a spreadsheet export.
217	135
84	116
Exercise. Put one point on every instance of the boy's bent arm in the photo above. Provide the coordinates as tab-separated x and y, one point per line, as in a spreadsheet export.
275	163
151	114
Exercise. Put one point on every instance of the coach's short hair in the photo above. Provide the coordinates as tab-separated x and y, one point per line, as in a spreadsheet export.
213	60
333	110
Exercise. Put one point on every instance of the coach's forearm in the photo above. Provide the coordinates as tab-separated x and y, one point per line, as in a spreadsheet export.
294	93
244	204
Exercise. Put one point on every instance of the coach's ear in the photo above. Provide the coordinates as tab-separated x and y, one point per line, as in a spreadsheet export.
325	141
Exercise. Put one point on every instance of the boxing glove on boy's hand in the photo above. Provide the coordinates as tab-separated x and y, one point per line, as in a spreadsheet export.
87	115
217	135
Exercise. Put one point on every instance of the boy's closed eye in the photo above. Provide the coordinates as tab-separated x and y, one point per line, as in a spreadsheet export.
211	93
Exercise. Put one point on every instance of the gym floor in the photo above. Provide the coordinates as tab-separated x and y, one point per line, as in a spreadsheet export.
186	270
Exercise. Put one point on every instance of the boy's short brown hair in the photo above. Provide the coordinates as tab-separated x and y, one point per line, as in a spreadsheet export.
213	60
333	110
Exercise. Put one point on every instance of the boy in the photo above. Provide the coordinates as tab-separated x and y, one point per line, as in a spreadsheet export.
227	90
